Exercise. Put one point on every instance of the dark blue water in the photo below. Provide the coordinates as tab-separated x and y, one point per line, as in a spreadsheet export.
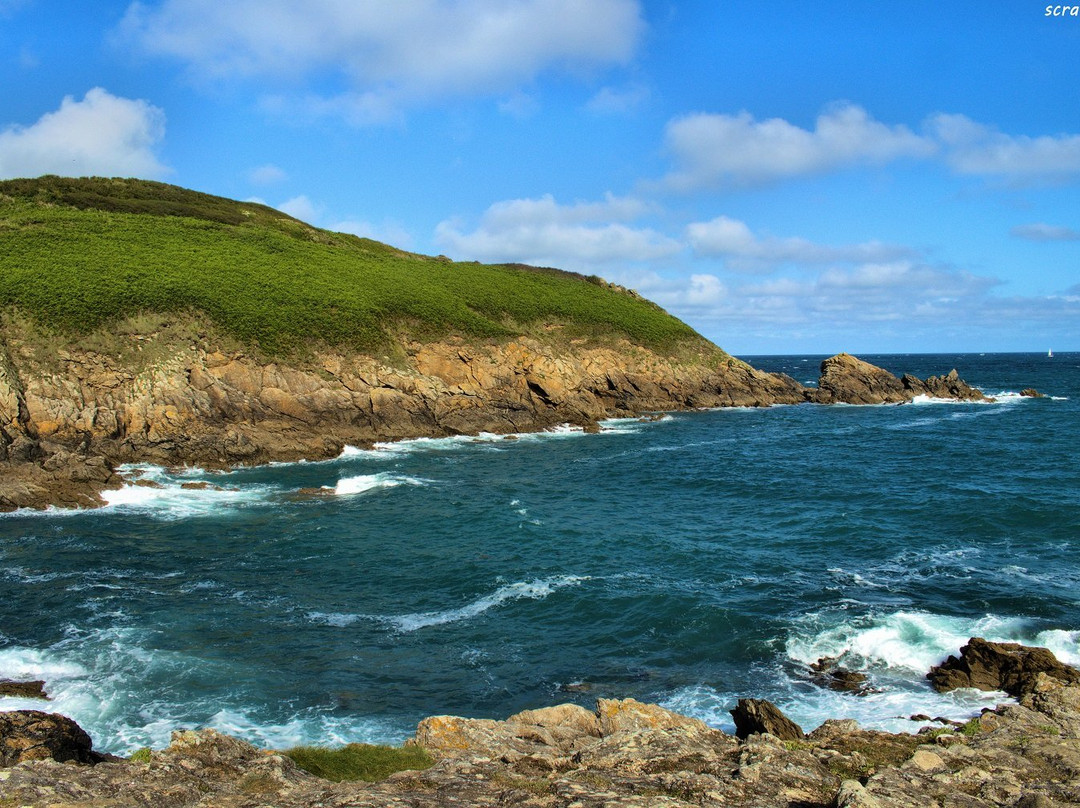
690	561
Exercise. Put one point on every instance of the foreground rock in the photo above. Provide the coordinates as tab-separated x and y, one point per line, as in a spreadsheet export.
1011	667
34	735
763	717
623	753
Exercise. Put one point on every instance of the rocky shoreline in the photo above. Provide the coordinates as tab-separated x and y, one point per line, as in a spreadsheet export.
70	414
623	753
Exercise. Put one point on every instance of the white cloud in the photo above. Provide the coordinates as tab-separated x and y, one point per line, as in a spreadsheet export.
520	105
302	208
715	150
266	174
388	232
743	250
618	101
978	149
398	52
541	231
1045	232
102	134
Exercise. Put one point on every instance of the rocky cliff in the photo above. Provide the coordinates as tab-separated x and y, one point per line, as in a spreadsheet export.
623	753
170	390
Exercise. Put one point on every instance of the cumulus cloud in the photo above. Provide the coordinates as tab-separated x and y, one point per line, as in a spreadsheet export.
101	134
1045	232
978	149
398	52
744	251
542	231
713	150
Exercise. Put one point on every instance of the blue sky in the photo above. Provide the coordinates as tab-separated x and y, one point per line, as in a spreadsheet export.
785	176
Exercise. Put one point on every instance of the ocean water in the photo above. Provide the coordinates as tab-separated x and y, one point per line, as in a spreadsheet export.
688	561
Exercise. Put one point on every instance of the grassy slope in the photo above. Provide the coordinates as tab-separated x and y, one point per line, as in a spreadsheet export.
79	255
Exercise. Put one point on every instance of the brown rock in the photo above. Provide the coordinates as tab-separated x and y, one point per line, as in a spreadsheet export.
1010	667
762	716
1031	392
34	735
849	380
23	690
827	673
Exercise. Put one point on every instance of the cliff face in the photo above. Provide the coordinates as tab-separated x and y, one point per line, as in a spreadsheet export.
174	396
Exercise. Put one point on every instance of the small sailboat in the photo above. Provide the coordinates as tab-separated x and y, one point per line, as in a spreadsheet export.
1050	354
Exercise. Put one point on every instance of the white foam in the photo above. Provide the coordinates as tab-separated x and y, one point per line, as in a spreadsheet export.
362	483
167	498
338	619
906	642
537	589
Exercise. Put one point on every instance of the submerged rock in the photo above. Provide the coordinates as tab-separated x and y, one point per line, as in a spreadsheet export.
827	672
23	690
1031	392
1004	666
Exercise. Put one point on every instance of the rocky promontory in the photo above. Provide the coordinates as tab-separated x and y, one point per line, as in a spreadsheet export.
169	390
622	753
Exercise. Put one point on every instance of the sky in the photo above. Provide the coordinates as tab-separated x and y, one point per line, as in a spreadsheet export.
786	177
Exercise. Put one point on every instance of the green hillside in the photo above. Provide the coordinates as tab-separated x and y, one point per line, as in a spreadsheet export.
79	254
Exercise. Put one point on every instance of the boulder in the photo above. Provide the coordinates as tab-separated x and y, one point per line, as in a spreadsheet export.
1006	666
35	735
762	716
1031	392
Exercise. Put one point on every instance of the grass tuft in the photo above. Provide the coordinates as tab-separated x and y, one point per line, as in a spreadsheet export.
359	761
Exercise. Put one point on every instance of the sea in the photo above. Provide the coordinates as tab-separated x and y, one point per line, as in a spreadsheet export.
688	561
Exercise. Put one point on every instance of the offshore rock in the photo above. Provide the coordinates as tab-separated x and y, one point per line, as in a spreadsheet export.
826	672
762	716
999	666
848	380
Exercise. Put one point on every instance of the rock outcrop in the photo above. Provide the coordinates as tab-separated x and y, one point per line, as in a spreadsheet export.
849	380
176	395
623	753
34	689
34	735
1004	666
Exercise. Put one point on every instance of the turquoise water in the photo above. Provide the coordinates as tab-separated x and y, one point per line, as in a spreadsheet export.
689	561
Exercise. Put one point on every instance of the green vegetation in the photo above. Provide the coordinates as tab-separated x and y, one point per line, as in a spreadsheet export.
359	761
142	755
82	254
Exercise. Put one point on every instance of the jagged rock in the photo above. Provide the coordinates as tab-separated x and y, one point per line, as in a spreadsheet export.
1010	667
849	380
759	715
1031	392
23	690
34	735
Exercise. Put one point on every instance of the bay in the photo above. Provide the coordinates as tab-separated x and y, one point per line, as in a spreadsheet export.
688	561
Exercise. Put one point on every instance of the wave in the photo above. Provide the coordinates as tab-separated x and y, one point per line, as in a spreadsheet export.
537	589
154	490
491	441
363	483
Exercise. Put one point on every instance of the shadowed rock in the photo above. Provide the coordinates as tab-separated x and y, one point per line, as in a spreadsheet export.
762	716
1004	666
34	735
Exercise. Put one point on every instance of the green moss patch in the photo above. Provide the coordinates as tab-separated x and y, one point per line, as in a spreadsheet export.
359	761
